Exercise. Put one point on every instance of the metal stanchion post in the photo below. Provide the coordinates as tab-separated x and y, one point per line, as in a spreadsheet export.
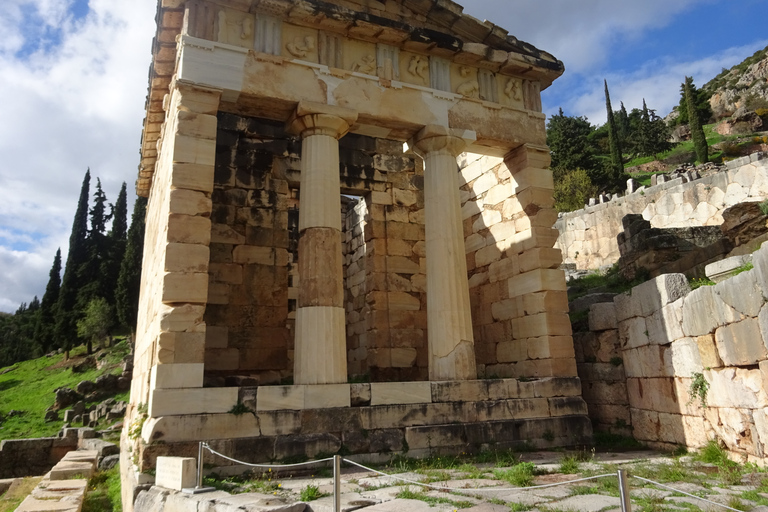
626	505
198	488
337	483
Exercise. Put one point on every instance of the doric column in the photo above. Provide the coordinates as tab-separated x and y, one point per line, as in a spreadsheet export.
320	352
449	321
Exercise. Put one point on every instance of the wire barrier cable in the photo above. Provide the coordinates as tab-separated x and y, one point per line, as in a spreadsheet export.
271	466
475	489
683	492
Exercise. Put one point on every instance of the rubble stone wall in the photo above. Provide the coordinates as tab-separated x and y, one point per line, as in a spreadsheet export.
674	340
588	236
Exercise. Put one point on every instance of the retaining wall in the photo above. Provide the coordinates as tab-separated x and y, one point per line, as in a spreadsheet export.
671	337
588	236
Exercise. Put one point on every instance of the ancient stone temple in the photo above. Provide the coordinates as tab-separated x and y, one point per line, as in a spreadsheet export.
311	281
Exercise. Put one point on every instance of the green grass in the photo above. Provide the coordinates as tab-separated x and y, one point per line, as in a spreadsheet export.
569	465
408	494
519	475
104	492
29	387
14	496
610	281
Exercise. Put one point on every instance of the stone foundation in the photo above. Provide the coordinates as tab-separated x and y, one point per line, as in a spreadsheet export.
414	419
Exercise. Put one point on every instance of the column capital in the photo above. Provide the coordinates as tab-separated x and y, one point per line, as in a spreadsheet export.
435	139
311	118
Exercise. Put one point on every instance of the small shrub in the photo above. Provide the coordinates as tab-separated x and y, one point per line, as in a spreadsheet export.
764	207
699	388
239	408
617	361
311	492
569	465
548	436
520	475
698	282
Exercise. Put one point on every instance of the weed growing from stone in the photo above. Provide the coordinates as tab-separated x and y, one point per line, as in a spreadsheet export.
470	471
408	494
519	475
311	492
569	465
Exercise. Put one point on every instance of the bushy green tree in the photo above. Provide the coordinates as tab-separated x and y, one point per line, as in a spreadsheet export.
695	122
651	135
573	190
568	141
96	322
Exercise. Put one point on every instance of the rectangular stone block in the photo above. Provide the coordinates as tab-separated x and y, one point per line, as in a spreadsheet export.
65	470
185	287
740	343
324	396
194	150
253	254
176	473
390	393
299	397
537	281
460	391
540	257
193	427
173	376
189	202
189	229
186	258
602	316
173	402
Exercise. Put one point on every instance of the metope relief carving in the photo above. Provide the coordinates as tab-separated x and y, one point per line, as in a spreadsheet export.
301	47
233	28
365	65
470	88
418	68
513	90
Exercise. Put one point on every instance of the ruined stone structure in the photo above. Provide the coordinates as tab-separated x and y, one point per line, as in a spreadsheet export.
295	245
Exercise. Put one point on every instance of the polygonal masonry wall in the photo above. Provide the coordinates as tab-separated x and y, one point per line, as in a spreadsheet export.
293	236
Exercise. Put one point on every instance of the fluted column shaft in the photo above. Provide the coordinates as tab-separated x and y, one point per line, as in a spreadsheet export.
449	321
320	355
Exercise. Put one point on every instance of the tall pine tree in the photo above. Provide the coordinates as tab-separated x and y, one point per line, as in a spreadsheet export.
616	173
67	313
695	122
129	281
46	322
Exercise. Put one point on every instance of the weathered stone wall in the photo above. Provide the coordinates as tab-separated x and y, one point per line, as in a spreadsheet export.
254	237
588	237
601	370
33	457
671	335
518	298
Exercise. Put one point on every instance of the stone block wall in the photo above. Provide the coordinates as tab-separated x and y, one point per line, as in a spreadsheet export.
671	337
517	294
587	237
601	370
253	276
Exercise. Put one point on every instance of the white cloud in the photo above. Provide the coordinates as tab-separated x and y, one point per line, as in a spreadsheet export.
580	33
657	81
67	107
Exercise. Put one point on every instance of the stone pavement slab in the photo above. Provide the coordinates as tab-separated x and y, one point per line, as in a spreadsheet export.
588	502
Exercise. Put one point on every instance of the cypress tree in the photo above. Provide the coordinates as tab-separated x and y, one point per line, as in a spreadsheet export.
617	165
46	322
115	248
622	125
696	123
67	313
129	281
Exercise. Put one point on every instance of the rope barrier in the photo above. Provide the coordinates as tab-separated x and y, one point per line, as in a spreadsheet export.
277	466
475	489
683	492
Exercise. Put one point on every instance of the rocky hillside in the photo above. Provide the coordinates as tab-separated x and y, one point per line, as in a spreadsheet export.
744	85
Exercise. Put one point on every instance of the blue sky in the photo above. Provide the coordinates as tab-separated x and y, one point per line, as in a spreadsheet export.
74	79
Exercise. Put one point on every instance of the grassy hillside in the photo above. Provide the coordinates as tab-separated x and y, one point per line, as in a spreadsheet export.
29	387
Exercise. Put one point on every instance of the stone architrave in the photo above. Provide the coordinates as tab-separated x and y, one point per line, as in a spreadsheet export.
320	345
449	321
